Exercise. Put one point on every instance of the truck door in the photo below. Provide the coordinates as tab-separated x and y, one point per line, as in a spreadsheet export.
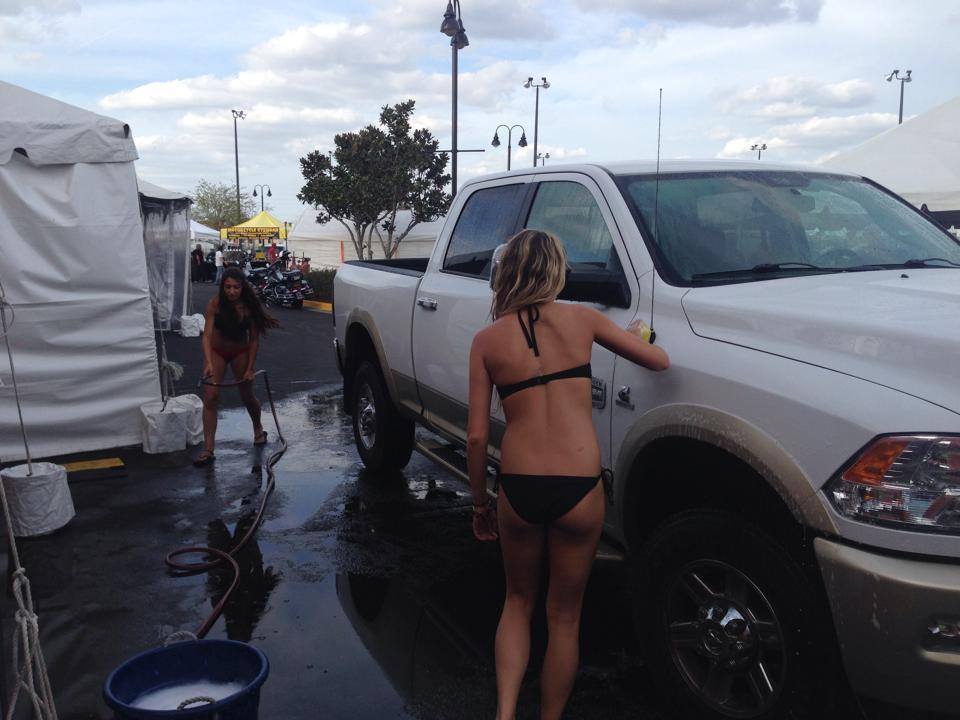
572	207
453	301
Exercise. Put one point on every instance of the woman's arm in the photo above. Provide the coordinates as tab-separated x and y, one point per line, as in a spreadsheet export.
478	436
625	343
252	349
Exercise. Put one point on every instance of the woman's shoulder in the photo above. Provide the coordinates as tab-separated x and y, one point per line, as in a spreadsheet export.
214	304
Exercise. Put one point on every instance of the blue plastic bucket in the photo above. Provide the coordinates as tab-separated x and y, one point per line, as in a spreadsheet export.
188	664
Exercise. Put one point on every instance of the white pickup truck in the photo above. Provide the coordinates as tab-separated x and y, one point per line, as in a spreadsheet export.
788	492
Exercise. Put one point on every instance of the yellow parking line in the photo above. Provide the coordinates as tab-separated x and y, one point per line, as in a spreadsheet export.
101	464
317	305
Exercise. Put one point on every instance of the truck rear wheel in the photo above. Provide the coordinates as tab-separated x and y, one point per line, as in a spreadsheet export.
731	624
384	439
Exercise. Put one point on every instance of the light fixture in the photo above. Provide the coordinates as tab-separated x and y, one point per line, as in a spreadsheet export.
449	25
496	140
523	140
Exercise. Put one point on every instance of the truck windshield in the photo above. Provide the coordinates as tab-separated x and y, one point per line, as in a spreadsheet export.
722	227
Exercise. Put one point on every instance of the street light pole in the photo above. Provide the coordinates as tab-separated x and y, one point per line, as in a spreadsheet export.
236	158
759	147
522	143
536	112
452	27
268	193
542	157
895	75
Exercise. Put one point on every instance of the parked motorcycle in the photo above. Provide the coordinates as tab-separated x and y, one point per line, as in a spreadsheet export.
276	286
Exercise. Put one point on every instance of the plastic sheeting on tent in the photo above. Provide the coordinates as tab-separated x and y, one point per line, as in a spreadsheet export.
328	245
72	265
919	160
166	242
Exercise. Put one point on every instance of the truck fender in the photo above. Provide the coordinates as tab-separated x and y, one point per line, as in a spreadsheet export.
365	320
734	435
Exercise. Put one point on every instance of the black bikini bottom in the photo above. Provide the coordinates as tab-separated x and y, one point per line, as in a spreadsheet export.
541	499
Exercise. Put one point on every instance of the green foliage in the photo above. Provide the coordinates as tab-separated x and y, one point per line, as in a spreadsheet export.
378	171
215	205
322	283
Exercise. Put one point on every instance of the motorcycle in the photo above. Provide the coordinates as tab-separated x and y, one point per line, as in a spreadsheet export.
276	286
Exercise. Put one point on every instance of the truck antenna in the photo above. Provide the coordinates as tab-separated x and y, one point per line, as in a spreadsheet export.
656	214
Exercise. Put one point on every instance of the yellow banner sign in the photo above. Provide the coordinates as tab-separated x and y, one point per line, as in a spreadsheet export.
252	233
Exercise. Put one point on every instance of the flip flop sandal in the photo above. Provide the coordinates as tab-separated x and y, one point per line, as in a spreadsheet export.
260	439
204	458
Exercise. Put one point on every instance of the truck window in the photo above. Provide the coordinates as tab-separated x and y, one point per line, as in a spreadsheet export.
487	220
568	210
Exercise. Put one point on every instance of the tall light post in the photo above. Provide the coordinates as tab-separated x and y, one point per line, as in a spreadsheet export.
496	139
452	27
236	157
536	112
895	75
268	193
542	157
759	147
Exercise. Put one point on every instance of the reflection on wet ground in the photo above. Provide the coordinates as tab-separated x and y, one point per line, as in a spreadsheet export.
368	594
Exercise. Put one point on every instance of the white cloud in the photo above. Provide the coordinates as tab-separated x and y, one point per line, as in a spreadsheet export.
815	133
649	35
724	13
780	92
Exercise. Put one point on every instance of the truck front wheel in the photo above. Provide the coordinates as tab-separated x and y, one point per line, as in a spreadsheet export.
384	439
731	624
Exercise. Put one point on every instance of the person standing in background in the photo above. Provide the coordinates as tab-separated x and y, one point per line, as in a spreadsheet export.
196	264
272	253
218	264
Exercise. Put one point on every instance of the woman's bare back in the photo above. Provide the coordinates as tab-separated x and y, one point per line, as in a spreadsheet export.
549	427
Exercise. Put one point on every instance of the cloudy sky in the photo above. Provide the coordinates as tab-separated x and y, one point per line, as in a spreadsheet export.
807	77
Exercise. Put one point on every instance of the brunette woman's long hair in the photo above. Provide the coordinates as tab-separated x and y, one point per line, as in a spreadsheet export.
258	316
532	270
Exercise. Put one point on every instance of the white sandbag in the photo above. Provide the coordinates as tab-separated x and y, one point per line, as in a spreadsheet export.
163	429
192	325
193	406
39	503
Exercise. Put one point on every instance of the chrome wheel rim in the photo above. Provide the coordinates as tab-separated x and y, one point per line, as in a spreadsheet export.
725	639
366	416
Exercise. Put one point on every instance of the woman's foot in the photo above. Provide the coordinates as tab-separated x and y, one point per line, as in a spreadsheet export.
260	438
206	457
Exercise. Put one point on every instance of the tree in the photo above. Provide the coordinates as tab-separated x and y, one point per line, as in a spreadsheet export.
379	170
215	205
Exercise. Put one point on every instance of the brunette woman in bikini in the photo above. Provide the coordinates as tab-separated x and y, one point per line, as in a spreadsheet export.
235	320
537	354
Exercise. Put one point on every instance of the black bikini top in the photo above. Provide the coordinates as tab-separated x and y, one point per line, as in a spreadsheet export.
584	371
231	328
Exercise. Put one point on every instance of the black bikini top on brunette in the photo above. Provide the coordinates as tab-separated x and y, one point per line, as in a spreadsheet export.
584	371
235	329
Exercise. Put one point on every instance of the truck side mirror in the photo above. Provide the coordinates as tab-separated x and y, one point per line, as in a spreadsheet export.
605	287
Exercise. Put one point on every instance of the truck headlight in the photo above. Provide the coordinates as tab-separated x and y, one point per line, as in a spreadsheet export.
908	481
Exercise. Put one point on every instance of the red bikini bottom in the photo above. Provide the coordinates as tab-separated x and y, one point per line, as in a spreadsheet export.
229	355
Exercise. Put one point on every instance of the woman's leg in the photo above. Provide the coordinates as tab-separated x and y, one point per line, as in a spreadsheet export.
522	546
239	366
573	543
211	399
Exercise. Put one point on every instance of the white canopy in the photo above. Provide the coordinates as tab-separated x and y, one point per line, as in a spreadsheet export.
200	233
166	241
329	244
72	265
919	159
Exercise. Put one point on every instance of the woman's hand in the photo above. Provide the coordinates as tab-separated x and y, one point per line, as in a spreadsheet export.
207	370
485	523
248	375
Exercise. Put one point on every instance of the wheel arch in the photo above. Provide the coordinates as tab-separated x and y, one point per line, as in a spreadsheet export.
363	342
722	461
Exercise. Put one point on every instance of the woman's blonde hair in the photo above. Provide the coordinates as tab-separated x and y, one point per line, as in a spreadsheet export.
532	270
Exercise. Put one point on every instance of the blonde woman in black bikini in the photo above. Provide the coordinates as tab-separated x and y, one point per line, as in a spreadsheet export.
235	320
537	354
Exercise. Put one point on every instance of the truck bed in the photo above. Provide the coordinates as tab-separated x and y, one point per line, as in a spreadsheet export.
404	266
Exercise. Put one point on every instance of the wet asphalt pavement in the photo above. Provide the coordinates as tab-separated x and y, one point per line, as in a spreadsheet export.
368	594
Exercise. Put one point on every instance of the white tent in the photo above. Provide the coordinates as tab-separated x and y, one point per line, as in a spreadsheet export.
328	245
72	266
202	233
919	160
166	241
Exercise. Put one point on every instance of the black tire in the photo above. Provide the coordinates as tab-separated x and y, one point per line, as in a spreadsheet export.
383	438
731	624
298	304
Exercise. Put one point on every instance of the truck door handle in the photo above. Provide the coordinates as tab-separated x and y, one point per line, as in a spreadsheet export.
623	397
428	303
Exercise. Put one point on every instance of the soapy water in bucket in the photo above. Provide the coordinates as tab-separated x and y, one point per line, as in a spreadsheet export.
170	697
